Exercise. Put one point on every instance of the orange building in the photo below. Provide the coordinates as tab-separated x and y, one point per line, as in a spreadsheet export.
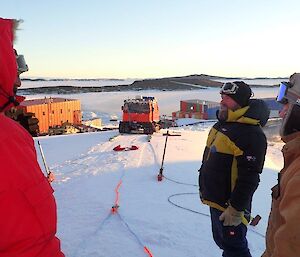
53	111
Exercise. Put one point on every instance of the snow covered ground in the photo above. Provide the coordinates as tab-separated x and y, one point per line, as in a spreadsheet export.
88	173
76	83
166	217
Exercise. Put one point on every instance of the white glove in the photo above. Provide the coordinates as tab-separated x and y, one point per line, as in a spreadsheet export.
231	217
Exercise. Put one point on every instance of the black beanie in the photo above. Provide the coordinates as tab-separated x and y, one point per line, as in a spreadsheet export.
242	94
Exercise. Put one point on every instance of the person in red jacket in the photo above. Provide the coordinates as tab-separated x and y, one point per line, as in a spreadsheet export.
28	210
283	232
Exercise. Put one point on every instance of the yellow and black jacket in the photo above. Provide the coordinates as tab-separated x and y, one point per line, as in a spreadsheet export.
233	158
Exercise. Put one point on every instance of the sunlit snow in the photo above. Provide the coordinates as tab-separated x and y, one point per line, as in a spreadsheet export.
167	217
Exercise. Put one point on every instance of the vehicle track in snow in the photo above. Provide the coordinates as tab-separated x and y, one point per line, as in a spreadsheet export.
101	158
125	159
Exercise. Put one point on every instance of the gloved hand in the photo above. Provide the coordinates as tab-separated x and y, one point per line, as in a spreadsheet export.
50	177
231	217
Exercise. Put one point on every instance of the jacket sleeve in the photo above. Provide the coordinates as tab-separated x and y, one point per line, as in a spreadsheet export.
28	209
249	166
286	237
206	149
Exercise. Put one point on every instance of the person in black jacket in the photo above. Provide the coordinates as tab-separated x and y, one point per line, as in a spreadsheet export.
232	162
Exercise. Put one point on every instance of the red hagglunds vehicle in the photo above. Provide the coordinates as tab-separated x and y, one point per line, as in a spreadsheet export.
140	115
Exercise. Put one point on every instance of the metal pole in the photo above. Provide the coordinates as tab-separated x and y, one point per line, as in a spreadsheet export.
160	174
43	157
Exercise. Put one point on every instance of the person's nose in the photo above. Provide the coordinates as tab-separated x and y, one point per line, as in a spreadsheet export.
18	82
223	102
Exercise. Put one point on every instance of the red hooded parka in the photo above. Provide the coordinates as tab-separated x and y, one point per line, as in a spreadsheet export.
27	205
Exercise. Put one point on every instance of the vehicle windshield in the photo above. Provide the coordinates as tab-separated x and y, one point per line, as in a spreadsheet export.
137	107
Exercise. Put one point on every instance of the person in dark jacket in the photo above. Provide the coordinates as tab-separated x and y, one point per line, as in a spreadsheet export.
232	162
28	209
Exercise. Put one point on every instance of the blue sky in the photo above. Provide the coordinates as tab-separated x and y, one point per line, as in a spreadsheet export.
157	38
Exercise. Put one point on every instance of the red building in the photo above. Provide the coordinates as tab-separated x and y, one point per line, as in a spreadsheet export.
53	111
197	109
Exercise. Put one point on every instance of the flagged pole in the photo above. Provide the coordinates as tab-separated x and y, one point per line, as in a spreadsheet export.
160	174
50	175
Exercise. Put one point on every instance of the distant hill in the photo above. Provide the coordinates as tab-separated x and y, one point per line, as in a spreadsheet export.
190	82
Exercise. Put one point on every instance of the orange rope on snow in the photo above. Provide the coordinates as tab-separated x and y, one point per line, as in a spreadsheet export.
117	193
116	205
148	251
114	210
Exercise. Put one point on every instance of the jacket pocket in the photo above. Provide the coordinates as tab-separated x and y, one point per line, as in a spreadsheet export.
215	178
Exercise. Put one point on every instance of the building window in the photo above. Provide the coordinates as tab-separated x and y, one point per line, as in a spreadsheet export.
44	113
60	110
53	112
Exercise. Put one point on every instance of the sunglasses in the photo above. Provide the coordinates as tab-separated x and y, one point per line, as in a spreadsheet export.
229	88
283	88
21	64
285	95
